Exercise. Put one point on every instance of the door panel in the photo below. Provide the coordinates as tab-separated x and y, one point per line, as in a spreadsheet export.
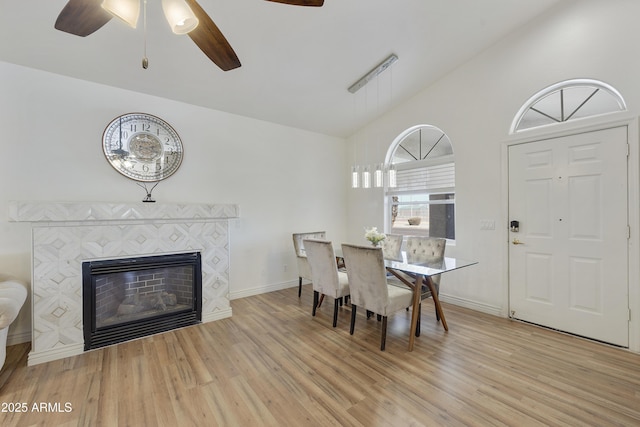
584	193
568	268
539	277
584	288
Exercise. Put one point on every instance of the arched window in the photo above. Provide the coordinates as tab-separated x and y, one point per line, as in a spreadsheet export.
568	100
423	201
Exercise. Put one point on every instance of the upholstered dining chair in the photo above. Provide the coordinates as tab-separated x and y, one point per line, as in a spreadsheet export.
326	278
392	246
304	271
370	288
428	251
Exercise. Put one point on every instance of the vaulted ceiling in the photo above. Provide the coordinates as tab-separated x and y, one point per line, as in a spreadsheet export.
297	62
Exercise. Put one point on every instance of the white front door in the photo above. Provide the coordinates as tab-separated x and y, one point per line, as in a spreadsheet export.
568	262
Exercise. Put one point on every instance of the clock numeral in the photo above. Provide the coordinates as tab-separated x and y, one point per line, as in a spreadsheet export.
144	127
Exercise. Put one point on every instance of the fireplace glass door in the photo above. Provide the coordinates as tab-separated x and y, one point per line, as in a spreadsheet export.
133	297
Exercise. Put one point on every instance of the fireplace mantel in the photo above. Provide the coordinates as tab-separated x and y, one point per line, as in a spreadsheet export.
64	234
98	212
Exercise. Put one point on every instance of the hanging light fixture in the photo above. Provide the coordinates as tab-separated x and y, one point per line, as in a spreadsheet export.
378	176
355	176
373	73
392	176
127	10
366	177
179	15
379	172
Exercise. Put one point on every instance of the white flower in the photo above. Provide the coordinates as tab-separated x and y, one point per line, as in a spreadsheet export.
372	235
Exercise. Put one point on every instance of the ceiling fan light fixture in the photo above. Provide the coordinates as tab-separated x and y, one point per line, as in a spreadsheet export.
127	10
179	15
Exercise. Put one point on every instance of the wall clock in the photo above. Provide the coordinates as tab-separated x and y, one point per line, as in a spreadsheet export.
142	147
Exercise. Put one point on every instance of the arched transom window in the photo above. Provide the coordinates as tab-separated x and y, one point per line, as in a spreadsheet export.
423	201
568	100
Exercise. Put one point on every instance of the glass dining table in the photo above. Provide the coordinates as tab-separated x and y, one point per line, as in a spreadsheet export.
421	274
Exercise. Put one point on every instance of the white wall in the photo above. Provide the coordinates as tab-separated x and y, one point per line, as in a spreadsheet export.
475	105
285	180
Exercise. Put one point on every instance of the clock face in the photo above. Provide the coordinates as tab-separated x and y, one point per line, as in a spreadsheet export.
142	147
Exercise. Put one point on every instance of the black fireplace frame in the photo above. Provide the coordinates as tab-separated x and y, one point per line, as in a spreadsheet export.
95	337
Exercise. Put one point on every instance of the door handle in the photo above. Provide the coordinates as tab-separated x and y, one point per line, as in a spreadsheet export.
517	242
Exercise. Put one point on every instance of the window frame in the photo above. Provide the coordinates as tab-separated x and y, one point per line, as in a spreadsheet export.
424	163
561	86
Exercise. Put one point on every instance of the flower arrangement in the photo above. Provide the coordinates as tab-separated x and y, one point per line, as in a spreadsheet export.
372	235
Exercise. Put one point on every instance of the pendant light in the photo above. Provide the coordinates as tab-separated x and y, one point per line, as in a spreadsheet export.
366	177
392	176
355	176
378	176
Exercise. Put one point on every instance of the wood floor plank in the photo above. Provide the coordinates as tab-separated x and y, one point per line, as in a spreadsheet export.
273	364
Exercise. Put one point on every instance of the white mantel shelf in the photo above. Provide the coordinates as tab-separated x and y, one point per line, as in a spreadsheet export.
20	211
66	234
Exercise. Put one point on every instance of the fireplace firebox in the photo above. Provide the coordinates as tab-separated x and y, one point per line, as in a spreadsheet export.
130	298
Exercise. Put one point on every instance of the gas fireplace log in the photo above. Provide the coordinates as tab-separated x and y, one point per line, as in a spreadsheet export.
154	301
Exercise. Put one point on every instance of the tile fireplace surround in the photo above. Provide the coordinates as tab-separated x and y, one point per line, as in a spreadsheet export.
66	234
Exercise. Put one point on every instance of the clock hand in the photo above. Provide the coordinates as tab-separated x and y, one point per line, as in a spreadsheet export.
119	151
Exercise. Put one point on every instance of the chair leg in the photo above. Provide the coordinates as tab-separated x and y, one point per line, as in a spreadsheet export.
315	302
321	299
419	320
353	319
299	286
369	313
378	317
335	311
383	338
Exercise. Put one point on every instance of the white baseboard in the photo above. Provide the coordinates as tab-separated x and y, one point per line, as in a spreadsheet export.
19	338
36	358
466	303
263	289
473	305
216	315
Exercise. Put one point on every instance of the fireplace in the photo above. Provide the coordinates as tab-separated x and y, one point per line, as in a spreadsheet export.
129	298
66	234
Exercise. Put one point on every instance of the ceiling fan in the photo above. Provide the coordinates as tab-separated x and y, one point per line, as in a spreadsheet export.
84	17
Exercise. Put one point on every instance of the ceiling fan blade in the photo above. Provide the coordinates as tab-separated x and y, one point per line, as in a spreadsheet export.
211	41
316	3
82	17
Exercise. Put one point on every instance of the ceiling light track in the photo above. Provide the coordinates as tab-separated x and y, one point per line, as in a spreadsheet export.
380	68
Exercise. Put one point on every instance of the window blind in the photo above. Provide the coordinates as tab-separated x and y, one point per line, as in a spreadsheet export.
426	179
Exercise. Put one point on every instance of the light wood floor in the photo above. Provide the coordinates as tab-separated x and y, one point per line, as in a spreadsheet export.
273	364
